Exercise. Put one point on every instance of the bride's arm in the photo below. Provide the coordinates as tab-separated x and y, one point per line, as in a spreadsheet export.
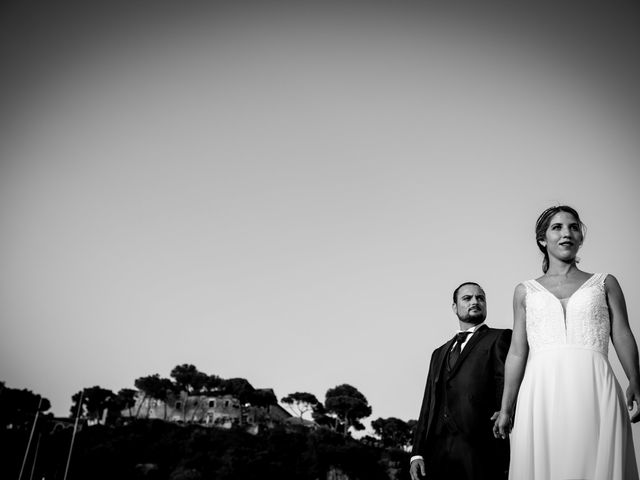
514	365
624	342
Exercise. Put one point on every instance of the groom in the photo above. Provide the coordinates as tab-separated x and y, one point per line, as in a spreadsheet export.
454	438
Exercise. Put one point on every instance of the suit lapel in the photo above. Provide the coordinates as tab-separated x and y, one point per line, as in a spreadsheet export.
442	357
475	338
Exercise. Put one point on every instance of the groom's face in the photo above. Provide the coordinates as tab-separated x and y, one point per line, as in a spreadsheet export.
471	305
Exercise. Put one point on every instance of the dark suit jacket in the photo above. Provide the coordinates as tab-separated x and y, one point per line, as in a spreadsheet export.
474	391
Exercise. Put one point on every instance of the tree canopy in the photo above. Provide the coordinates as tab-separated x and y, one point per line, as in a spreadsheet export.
126	399
300	402
155	387
394	432
97	402
347	405
18	407
239	388
189	379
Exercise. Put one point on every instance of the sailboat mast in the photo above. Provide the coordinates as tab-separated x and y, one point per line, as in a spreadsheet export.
35	457
73	436
33	429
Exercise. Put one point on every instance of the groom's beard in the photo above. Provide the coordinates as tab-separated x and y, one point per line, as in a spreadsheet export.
474	318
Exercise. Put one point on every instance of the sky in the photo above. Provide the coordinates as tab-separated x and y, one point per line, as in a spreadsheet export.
290	192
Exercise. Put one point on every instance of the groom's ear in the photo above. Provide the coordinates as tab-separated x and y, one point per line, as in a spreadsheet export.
454	307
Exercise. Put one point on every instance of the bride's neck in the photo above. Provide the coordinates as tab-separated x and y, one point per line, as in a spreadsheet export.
560	269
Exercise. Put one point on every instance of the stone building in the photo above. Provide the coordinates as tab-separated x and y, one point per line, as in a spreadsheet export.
211	409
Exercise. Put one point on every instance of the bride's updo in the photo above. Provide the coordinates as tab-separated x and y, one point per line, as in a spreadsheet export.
543	224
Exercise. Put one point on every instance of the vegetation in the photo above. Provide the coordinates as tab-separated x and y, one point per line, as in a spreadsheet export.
18	407
155	388
347	406
154	449
135	447
393	432
300	402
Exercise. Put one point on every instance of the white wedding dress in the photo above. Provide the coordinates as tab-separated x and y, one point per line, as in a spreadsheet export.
571	420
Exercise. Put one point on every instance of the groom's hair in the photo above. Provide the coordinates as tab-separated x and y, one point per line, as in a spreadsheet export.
455	292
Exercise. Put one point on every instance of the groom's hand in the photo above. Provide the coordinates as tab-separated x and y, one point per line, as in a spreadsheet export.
633	401
502	425
417	469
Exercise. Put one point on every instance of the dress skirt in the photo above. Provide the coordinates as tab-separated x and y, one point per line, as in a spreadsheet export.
571	420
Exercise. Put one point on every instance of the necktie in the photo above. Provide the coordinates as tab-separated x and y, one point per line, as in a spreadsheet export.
455	352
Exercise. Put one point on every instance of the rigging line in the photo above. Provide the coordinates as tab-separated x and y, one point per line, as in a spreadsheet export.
35	457
33	429
73	436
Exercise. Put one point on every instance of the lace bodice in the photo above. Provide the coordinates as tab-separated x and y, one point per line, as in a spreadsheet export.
584	320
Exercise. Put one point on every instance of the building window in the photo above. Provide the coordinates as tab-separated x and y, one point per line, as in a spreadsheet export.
178	404
212	403
226	404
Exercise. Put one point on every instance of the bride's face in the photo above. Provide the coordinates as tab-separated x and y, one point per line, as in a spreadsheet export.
563	237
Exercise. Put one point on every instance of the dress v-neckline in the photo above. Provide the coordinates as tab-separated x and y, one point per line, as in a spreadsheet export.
565	306
569	297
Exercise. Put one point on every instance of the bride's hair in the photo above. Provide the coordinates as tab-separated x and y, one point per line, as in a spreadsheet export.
543	223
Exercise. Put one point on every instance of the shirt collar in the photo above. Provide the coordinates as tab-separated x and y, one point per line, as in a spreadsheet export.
472	329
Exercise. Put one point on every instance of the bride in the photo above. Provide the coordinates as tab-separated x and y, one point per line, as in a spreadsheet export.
570	420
